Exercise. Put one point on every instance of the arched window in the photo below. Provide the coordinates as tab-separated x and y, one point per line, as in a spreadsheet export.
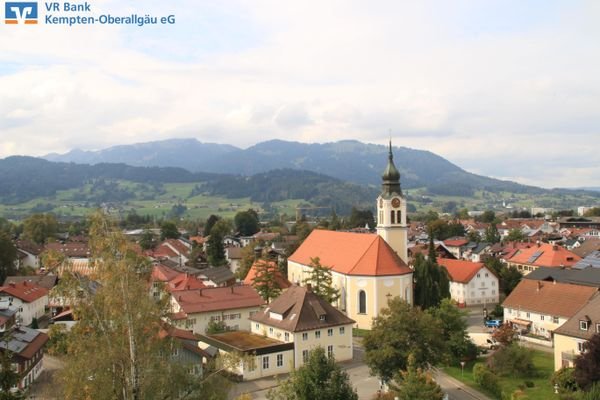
362	302
393	216
399	216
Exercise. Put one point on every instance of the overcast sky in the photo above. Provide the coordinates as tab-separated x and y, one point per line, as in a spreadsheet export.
508	89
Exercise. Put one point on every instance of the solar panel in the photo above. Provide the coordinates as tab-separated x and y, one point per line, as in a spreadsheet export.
534	257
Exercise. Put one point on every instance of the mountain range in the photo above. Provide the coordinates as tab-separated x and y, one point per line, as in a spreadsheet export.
347	160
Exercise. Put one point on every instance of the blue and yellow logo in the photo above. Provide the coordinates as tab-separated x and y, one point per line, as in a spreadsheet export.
16	12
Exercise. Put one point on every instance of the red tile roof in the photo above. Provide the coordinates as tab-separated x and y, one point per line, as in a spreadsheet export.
461	271
25	291
184	281
456	242
163	273
76	249
281	281
178	246
217	298
351	253
550	298
550	256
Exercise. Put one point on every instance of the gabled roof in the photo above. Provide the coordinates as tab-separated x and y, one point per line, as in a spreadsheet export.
218	275
163	273
45	281
456	242
26	291
184	281
587	247
29	247
217	298
545	255
461	271
586	276
301	310
590	313
550	298
280	280
24	342
591	260
70	249
351	253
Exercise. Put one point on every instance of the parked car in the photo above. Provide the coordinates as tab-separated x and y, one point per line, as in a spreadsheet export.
493	323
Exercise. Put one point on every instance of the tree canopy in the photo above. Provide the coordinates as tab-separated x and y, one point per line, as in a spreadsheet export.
8	256
215	251
432	283
321	282
40	227
246	222
415	384
587	364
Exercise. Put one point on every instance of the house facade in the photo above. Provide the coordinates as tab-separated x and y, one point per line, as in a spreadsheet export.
471	283
26	298
570	338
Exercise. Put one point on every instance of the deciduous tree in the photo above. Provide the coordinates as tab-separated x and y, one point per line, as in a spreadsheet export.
587	364
416	384
246	222
398	331
168	230
319	378
40	227
8	256
265	281
215	251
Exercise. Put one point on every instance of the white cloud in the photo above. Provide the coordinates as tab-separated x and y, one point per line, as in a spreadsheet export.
497	88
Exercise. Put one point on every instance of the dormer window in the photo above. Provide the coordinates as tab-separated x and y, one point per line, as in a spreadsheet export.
322	317
583	325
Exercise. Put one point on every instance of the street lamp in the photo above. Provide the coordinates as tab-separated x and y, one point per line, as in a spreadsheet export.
556	388
462	368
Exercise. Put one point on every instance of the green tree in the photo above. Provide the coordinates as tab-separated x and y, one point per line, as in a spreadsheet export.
398	331
512	360
246	222
491	233
210	222
361	218
432	283
8	376
463	213
319	378
248	257
40	227
488	216
265	281
593	212
120	318
587	364
321	281
416	384
168	230
515	235
509	279
454	331
474	236
147	240
8	256
215	251
335	221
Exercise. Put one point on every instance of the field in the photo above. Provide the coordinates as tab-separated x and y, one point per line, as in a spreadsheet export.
145	200
542	389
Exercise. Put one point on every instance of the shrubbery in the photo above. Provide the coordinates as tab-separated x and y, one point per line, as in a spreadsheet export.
486	379
512	360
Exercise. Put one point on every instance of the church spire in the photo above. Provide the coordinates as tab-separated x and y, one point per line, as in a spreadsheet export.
391	176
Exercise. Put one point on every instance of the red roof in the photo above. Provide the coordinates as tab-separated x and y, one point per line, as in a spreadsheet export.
545	255
178	246
456	242
71	249
184	281
461	271
25	291
351	253
217	298
281	281
163	273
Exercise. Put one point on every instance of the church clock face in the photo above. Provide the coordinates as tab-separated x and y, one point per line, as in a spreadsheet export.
395	202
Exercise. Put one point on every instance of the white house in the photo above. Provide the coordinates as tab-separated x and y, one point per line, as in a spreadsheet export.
471	283
27	298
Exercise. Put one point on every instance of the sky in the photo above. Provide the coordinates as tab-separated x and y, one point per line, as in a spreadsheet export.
508	89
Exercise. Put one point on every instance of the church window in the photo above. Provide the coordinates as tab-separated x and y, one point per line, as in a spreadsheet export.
398	216
393	216
362	302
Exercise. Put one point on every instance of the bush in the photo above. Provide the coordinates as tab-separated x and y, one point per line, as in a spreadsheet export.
58	340
529	384
565	380
486	379
512	360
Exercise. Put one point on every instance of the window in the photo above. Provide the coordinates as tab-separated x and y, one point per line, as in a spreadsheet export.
479	275
580	347
317	334
486	275
528	315
305	336
322	317
271	331
266	362
597	328
329	351
583	325
280	360
257	326
542	317
304	356
329	332
362	302
343	329
555	320
393	217
493	292
493	283
287	337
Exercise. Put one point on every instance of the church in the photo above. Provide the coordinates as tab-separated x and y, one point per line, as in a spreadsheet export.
367	269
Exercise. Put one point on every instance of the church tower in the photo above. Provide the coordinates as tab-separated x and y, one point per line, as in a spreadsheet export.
391	210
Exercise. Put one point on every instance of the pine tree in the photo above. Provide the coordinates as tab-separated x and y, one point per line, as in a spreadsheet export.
432	283
416	384
321	281
491	233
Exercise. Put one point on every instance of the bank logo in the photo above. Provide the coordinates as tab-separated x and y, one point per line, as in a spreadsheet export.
17	12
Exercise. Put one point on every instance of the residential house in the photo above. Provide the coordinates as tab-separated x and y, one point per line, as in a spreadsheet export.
570	338
589	276
423	248
537	308
592	259
28	299
46	281
471	283
542	255
456	245
234	257
217	276
29	253
186	349
233	305
26	347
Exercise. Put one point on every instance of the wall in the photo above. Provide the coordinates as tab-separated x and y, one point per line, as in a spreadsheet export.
541	324
565	344
198	322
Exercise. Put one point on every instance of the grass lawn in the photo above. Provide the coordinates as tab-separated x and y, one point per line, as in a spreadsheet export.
356	332
544	363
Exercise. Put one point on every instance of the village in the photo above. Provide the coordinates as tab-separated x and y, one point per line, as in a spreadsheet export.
268	299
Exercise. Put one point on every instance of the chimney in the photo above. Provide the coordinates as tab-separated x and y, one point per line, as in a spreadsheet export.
231	289
554	247
539	285
257	253
200	291
24	283
12	284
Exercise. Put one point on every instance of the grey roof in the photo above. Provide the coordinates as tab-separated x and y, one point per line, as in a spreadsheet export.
218	274
591	260
45	281
19	339
590	313
480	247
586	277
